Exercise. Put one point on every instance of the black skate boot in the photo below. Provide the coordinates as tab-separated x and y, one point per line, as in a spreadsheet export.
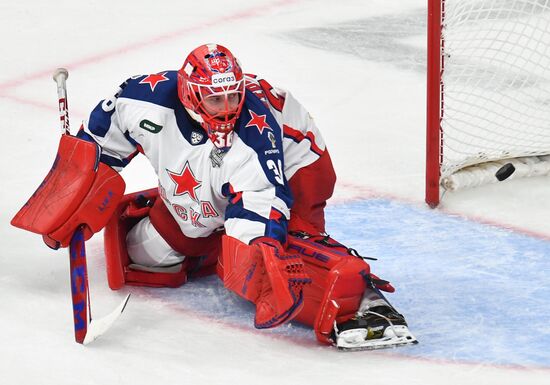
375	328
376	324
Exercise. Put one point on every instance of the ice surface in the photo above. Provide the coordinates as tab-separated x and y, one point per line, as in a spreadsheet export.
472	276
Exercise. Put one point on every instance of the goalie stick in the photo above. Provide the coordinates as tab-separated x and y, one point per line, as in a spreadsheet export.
85	329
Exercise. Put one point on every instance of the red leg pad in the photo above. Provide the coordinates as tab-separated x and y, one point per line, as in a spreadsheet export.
337	288
127	214
265	276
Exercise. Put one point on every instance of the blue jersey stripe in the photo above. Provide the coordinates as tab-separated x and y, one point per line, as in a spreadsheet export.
276	229
113	162
100	120
85	136
266	142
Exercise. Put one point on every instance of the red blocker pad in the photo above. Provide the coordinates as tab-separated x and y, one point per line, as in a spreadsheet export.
338	282
266	276
132	208
78	190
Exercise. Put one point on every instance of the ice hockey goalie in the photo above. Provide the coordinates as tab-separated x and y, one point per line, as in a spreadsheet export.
243	179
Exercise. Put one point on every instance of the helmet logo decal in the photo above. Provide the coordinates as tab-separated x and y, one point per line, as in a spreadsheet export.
154	79
225	79
259	121
217	62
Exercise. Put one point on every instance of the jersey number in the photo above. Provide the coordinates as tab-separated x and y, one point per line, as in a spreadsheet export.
224	139
109	103
277	169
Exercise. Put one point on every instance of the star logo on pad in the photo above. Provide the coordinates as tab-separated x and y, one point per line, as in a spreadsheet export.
258	121
185	181
154	79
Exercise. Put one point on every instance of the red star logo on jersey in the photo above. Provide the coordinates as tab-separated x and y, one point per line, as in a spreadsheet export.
154	79
185	181
258	121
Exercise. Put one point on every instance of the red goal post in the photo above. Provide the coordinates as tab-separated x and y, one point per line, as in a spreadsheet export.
433	103
488	91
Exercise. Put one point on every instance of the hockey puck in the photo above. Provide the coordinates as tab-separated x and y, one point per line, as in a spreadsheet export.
505	171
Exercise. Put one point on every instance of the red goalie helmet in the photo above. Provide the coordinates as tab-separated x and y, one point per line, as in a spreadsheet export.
211	88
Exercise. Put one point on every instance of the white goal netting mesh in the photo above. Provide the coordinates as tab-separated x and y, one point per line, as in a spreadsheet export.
496	81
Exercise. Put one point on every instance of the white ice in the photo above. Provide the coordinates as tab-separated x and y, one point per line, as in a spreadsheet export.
367	94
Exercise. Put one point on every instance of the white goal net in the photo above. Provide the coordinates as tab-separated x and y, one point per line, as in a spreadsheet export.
495	84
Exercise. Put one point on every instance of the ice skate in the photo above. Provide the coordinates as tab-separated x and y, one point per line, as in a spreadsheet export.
376	328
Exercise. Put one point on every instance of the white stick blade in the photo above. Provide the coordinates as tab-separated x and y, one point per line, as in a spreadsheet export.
98	327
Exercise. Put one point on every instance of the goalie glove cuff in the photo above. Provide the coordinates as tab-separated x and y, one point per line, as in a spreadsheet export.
266	275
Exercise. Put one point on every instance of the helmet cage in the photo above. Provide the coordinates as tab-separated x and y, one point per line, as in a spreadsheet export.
194	94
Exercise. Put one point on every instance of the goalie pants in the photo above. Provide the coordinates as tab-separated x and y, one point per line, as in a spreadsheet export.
146	247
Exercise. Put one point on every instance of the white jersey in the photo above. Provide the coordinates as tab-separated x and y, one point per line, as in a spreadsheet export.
243	190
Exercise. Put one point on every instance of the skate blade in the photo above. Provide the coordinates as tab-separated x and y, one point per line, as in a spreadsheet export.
356	339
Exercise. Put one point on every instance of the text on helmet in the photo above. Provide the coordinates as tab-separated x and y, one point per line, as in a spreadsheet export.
225	79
